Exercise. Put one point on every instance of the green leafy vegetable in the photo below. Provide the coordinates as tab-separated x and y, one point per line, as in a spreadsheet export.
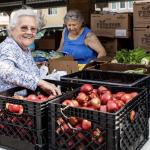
130	56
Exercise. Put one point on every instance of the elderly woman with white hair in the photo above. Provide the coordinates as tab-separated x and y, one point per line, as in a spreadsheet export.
79	41
17	67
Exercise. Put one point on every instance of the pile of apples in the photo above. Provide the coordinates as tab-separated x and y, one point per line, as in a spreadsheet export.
79	127
101	99
34	97
18	109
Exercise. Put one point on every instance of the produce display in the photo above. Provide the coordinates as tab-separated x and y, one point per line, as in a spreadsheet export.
98	117
18	109
134	56
101	99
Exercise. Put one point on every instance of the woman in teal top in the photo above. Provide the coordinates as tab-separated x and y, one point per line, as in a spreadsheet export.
78	41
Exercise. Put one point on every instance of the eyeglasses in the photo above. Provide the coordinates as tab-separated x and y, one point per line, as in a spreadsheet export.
26	28
72	17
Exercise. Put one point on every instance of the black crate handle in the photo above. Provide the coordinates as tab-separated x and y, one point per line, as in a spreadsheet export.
66	118
14	108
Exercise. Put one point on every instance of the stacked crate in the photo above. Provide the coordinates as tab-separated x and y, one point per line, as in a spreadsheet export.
114	30
28	129
25	130
110	78
142	25
108	131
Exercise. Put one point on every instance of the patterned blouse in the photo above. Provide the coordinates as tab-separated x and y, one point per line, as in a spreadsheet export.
17	67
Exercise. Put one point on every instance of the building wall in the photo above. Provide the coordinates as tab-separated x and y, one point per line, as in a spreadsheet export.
55	19
49	19
128	6
4	20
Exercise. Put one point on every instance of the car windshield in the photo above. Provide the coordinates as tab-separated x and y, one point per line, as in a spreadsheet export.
48	31
3	32
40	34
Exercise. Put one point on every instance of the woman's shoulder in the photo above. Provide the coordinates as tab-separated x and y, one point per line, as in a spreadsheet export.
87	29
8	46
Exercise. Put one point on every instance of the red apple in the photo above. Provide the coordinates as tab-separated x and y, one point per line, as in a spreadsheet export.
133	94
103	108
101	90
106	97
126	98
118	95
119	103
82	98
95	102
132	116
73	121
86	124
15	108
75	103
112	106
68	102
32	97
86	88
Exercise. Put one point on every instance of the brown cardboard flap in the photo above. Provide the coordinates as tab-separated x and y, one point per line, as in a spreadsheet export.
63	64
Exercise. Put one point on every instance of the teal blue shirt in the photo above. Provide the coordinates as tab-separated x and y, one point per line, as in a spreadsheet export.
77	48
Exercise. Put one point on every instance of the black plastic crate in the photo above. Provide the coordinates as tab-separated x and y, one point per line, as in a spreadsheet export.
109	78
17	138
34	114
115	67
118	132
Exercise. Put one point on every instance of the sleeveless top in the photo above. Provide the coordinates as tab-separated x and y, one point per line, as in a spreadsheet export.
77	48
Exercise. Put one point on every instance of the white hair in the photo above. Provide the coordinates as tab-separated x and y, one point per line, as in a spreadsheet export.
20	13
74	15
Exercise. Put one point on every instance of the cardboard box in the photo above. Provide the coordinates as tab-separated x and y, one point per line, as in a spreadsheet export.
142	38
141	14
46	44
112	45
112	24
65	63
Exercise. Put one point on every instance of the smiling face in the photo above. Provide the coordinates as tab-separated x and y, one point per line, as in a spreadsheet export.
74	27
25	31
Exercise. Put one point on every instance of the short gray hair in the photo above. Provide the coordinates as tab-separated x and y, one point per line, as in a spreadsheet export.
19	13
74	15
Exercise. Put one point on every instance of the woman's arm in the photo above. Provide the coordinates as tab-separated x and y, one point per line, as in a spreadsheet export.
12	75
61	42
93	42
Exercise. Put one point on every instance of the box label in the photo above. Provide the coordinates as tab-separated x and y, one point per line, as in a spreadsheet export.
103	24
120	32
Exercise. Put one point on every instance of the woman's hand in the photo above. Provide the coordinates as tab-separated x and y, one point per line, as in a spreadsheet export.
49	88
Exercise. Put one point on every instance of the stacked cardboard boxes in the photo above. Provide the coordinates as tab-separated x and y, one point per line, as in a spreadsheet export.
142	25
114	29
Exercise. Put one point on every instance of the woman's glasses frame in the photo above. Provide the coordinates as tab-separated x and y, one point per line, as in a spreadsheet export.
25	28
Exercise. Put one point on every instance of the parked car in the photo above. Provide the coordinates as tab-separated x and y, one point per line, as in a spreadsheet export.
48	31
48	38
